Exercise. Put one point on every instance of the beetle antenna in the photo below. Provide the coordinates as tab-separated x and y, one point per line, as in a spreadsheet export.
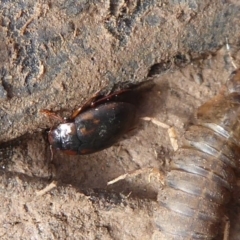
51	115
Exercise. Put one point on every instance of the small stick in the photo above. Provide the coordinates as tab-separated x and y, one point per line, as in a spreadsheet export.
155	121
229	54
171	131
48	188
135	173
173	138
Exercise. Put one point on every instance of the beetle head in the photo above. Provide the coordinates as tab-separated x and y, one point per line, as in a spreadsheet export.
54	138
63	137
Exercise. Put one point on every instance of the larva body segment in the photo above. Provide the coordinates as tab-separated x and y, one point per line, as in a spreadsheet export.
202	171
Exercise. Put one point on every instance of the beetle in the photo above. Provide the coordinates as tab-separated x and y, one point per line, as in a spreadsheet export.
100	122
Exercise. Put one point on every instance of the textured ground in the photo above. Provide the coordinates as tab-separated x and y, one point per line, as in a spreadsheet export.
55	55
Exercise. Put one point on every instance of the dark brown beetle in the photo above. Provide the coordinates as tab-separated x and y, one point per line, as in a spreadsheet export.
100	122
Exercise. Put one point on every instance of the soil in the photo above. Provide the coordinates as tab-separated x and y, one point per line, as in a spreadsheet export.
55	55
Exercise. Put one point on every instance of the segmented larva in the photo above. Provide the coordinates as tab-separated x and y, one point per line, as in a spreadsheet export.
202	171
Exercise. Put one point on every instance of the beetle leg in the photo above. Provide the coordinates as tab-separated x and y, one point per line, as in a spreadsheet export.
108	97
105	95
226	234
86	105
123	88
98	98
51	150
52	115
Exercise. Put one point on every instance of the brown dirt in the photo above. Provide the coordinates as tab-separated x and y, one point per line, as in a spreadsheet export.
55	55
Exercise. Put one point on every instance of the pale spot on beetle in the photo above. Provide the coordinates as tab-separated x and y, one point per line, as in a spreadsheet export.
66	128
85	131
103	131
96	121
